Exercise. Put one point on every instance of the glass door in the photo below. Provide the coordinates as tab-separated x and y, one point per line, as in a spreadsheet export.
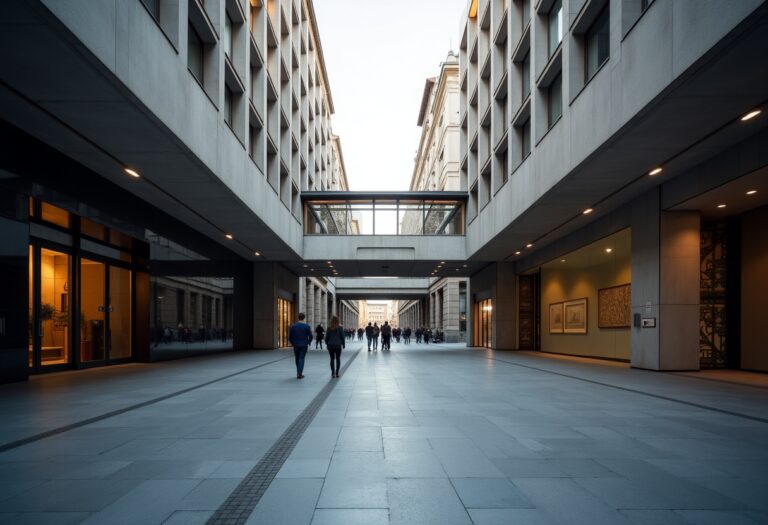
119	313
49	308
483	332
93	310
105	312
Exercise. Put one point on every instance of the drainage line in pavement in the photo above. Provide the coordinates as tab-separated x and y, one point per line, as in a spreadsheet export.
657	396
243	500
66	428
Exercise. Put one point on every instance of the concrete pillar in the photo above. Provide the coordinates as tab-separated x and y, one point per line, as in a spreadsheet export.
665	286
324	308
309	308
14	301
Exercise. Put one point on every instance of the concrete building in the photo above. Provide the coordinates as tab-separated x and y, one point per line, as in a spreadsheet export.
146	162
316	294
437	169
614	152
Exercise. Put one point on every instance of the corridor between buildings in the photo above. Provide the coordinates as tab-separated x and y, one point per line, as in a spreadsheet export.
422	434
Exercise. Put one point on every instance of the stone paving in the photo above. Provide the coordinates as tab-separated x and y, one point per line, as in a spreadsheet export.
425	434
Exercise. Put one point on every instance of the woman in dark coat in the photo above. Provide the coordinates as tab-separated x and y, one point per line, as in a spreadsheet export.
334	341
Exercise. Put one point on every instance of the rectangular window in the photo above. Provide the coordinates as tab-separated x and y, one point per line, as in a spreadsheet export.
526	75
555	25
526	138
228	106
54	215
195	50
555	100
227	37
597	44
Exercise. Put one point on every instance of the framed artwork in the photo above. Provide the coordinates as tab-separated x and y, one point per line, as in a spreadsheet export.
556	318
614	307
575	316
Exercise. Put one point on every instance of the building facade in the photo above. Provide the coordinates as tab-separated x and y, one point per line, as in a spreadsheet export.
437	169
149	210
614	152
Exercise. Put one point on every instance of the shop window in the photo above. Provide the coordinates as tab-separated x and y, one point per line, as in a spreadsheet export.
92	229
284	320
54	215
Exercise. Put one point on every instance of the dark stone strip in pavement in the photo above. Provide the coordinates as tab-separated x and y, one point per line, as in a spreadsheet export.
635	391
241	503
66	428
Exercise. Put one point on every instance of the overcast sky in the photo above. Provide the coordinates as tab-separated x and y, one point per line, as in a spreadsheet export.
378	56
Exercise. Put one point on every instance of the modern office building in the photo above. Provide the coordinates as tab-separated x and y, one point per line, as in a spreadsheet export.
153	156
616	158
437	169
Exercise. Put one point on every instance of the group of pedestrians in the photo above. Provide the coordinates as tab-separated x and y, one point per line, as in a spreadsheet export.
423	335
385	331
300	337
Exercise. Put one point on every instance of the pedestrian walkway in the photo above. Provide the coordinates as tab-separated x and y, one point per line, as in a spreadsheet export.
420	435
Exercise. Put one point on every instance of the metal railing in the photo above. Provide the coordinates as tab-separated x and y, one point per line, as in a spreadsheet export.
389	213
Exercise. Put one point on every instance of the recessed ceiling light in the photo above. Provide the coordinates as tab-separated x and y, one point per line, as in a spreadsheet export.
464	265
529	245
587	211
751	115
721	206
608	250
306	266
517	253
751	192
229	236
257	254
311	269
132	173
329	262
442	262
655	171
562	260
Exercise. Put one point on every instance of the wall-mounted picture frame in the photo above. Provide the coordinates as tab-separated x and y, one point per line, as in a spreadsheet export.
556	318
575	316
614	306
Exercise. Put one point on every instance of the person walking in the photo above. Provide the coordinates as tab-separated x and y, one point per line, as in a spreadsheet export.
334	341
427	334
319	335
419	333
376	332
407	335
386	336
360	333
369	335
300	336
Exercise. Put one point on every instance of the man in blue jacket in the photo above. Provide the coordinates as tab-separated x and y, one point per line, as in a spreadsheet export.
300	336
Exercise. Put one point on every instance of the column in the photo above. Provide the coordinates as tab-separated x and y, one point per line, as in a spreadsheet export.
324	308
665	286
14	281
318	307
310	302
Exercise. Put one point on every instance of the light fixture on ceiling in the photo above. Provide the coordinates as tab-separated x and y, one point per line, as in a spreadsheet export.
752	114
257	254
587	211
721	206
132	173
655	171
608	250
751	192
529	245
311	269
329	262
442	262
562	260
306	266
229	236
517	252
464	265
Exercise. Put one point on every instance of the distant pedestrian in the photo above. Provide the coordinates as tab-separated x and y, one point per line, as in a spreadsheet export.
407	335
360	332
376	332
386	336
427	334
369	335
319	335
300	336
334	340
419	334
